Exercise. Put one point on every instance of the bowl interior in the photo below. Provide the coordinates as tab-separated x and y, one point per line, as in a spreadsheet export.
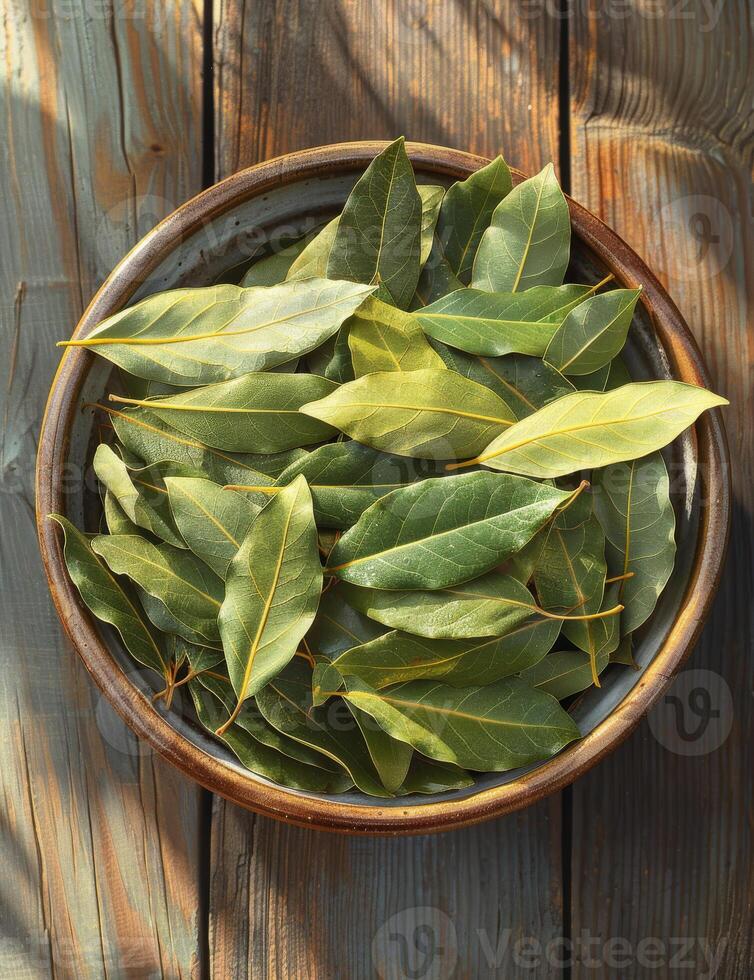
219	250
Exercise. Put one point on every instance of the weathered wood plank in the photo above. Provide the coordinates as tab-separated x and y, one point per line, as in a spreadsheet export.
299	903
663	149
477	76
99	848
286	902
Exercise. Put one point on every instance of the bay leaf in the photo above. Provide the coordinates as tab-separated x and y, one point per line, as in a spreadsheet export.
426	776
112	473
624	654
378	238
326	683
332	360
493	324
571	570
528	241
273	269
436	280
144	434
492	729
390	757
255	413
312	261
286	703
272	590
116	519
169	625
259	758
491	605
617	375
595	381
466	213
523	383
338	626
593	333
415	413
563	673
190	592
396	657
570	577
198	658
431	197
106	598
592	429
383	338
213	522
438	533
632	503
215	333
251	720
346	477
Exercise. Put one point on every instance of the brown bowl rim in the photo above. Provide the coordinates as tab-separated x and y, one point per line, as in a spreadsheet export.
275	801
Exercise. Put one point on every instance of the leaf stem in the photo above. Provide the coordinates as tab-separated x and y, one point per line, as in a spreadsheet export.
603	614
619	578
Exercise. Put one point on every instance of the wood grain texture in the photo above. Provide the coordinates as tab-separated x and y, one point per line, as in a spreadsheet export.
98	839
299	903
294	74
473	75
663	149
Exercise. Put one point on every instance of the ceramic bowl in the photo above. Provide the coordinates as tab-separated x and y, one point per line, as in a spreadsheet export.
211	238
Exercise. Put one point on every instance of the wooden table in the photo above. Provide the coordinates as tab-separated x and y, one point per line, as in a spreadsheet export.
114	112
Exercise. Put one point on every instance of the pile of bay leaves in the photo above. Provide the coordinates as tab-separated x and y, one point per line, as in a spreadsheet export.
387	503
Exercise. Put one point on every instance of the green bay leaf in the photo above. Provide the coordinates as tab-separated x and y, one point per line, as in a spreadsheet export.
441	532
214	333
490	729
524	383
191	593
104	595
338	626
491	605
130	496
346	477
145	435
528	241
466	213
257	413
493	324
590	429
312	261
383	338
632	503
213	521
378	237
427	776
563	673
251	720
260	758
431	197
286	703
272	590
593	333
273	269
428	414
391	758
396	657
